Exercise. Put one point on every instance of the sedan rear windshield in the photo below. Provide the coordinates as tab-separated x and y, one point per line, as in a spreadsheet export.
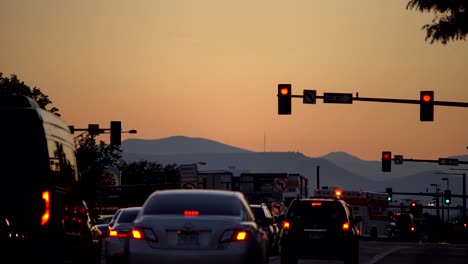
203	204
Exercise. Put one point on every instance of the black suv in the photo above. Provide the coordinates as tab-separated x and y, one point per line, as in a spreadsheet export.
403	228
319	229
265	219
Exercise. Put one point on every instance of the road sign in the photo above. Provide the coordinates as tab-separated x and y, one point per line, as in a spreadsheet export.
277	208
447	161
398	159
309	97
338	98
189	185
280	184
93	129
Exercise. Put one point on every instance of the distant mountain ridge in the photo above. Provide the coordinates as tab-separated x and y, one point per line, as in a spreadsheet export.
178	145
334	169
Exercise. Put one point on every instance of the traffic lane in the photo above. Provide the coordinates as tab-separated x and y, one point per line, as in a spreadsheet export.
378	252
367	251
427	254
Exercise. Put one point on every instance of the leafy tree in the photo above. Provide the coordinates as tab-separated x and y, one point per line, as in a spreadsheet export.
450	22
143	177
92	159
13	85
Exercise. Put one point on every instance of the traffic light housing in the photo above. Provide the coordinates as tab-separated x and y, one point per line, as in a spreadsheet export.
447	197
426	103
386	161
389	194
115	133
284	99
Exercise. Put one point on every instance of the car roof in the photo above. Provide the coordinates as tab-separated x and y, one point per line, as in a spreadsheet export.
198	191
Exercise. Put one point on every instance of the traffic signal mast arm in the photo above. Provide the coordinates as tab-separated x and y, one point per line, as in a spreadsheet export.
392	100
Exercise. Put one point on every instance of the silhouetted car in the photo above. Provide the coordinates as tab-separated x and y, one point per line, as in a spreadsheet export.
99	231
403	228
265	219
458	228
118	233
197	226
319	229
114	217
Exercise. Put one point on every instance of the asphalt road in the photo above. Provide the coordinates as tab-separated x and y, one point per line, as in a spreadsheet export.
372	252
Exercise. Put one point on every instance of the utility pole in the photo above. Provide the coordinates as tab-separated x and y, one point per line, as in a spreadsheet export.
318	177
437	199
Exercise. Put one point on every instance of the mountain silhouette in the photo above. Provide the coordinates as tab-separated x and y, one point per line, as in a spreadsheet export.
338	169
178	145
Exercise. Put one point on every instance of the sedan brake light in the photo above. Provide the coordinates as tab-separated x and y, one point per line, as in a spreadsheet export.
233	235
117	233
143	234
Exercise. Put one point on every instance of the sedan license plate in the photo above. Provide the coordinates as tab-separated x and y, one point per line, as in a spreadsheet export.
187	239
313	236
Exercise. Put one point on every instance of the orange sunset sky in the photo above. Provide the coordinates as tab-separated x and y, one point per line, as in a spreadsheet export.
210	69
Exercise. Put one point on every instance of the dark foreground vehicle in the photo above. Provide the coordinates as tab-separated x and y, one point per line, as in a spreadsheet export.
403	228
43	217
319	229
265	219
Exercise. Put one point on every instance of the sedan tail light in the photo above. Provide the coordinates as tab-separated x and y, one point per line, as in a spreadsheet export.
118	233
143	234
233	235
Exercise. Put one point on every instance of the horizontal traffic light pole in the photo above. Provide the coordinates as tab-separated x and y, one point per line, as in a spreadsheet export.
392	100
433	161
426	207
427	194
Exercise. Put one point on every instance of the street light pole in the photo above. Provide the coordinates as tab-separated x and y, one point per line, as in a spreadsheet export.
437	199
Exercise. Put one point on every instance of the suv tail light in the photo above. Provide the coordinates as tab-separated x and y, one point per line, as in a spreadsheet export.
233	235
286	225
345	226
143	234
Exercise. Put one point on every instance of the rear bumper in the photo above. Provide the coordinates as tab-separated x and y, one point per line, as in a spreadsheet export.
140	252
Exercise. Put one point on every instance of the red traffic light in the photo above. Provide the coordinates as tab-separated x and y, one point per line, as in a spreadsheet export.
284	90
413	204
284	99
426	105
426	98
386	161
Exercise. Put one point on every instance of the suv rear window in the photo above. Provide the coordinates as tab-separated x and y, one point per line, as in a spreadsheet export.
403	220
317	213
